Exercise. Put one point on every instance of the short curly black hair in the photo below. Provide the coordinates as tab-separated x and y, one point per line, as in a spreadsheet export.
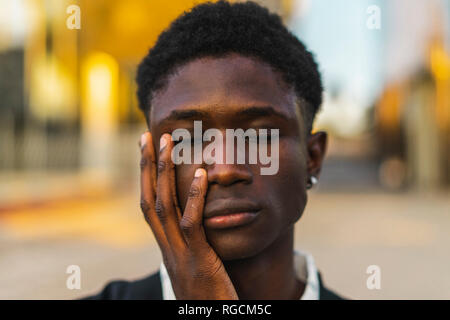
218	28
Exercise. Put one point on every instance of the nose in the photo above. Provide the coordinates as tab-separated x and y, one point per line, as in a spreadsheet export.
229	174
223	172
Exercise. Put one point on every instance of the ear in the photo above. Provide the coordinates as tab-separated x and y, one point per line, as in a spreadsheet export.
316	145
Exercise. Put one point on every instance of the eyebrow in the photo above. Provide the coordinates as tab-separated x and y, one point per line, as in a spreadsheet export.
249	112
185	115
262	111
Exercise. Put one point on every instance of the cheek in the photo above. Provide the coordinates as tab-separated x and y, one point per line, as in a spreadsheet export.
290	182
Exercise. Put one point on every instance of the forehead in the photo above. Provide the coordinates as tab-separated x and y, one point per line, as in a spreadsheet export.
223	85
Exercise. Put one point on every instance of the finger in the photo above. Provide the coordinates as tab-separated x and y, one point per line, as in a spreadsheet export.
148	187
148	153
164	206
191	223
173	191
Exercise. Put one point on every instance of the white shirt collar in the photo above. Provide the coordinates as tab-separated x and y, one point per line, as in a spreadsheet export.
305	269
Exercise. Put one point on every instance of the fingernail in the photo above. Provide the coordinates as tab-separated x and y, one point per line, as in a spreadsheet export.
162	142
143	140
198	172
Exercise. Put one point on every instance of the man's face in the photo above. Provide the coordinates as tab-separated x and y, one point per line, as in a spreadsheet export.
238	92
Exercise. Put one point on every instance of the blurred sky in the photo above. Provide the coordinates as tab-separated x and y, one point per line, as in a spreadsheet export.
357	62
347	51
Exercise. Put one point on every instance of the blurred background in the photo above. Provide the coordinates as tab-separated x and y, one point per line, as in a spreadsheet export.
69	128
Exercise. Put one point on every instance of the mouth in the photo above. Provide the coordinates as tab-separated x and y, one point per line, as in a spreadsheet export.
229	213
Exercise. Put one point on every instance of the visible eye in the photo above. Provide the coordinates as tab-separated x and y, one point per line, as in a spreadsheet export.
188	140
251	139
268	135
180	141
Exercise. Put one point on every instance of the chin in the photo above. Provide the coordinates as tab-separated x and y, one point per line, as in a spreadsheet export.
237	244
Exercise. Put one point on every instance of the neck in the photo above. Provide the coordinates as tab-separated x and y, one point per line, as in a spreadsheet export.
269	274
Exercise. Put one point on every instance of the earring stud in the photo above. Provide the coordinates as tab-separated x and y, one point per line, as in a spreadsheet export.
312	181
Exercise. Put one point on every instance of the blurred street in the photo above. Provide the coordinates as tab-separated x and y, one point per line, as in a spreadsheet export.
406	235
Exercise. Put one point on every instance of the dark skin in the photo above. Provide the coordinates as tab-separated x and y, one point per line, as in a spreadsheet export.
251	261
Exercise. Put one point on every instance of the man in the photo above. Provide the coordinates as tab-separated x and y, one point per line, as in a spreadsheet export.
225	230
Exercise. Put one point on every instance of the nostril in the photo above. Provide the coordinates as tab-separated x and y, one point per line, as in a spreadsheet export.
225	174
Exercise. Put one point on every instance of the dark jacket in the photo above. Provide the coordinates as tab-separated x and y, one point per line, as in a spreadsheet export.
150	288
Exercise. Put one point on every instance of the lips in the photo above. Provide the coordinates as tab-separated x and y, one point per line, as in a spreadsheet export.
228	213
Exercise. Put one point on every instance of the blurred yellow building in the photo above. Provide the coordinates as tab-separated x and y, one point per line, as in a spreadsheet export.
80	60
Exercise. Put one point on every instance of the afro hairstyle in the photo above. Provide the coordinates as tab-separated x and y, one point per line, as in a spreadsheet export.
215	29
